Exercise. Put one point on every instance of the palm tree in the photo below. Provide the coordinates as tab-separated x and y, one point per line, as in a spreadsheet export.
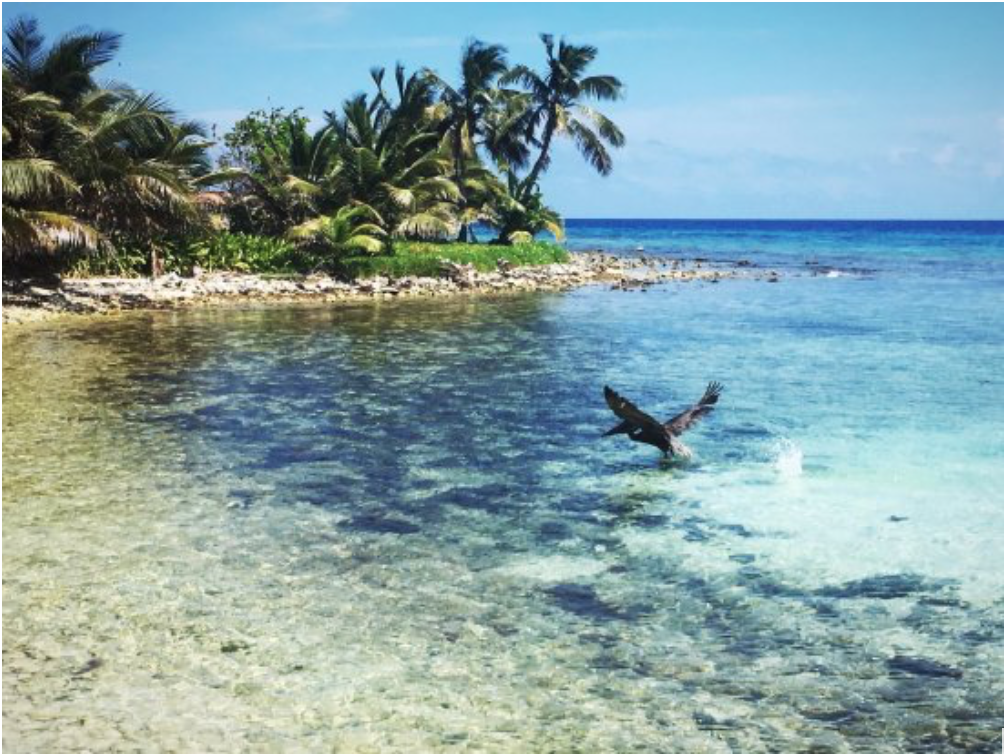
505	126
379	153
26	229
393	162
85	165
348	229
558	108
519	220
64	71
137	165
31	183
280	172
405	186
463	111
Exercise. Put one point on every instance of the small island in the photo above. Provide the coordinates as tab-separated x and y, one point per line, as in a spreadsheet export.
112	200
395	182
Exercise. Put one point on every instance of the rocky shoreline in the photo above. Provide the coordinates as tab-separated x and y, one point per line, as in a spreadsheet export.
30	300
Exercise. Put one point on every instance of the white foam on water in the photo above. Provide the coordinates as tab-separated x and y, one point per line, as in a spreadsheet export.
788	460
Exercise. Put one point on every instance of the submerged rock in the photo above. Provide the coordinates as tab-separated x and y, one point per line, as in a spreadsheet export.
583	600
911	665
882	587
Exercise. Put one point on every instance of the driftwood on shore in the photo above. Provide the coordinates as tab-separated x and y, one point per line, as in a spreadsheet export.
27	300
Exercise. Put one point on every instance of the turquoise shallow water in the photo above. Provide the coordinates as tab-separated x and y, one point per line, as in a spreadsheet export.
395	526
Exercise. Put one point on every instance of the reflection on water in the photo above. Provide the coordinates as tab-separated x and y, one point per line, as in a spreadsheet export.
395	527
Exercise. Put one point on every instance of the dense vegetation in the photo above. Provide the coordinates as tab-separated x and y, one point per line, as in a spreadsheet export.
103	178
264	254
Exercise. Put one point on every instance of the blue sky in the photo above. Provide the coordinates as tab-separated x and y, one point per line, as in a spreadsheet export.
731	110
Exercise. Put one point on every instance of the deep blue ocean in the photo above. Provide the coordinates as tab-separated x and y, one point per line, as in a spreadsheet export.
866	245
395	526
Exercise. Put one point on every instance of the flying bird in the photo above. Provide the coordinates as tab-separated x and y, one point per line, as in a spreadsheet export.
643	428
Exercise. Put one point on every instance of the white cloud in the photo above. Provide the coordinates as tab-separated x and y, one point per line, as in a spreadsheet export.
993	169
791	124
945	155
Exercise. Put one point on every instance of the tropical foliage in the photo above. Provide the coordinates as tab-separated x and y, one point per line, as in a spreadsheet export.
264	254
220	251
105	169
470	116
86	166
349	229
521	216
558	108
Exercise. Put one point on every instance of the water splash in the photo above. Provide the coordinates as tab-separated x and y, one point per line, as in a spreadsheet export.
788	459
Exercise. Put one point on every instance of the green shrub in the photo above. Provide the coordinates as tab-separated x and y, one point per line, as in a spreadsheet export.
124	261
243	253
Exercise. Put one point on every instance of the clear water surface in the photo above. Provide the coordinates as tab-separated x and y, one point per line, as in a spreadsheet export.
394	526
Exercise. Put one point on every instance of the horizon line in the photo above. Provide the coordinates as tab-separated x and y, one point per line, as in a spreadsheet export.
795	220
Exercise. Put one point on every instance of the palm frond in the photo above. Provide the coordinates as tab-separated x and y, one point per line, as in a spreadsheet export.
601	87
606	128
22	55
35	178
297	185
527	78
27	232
590	146
364	242
427	225
308	229
401	196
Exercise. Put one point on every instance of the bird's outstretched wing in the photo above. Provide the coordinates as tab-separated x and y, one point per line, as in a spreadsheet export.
632	416
685	420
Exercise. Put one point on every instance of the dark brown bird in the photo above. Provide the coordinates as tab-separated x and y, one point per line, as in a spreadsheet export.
640	427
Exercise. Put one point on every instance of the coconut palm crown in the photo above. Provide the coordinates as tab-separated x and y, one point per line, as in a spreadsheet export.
84	164
558	109
463	114
392	161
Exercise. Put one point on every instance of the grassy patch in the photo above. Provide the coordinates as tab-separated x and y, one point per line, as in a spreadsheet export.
422	258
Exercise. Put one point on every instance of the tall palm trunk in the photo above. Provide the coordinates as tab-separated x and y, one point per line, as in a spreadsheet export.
459	172
156	266
527	186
